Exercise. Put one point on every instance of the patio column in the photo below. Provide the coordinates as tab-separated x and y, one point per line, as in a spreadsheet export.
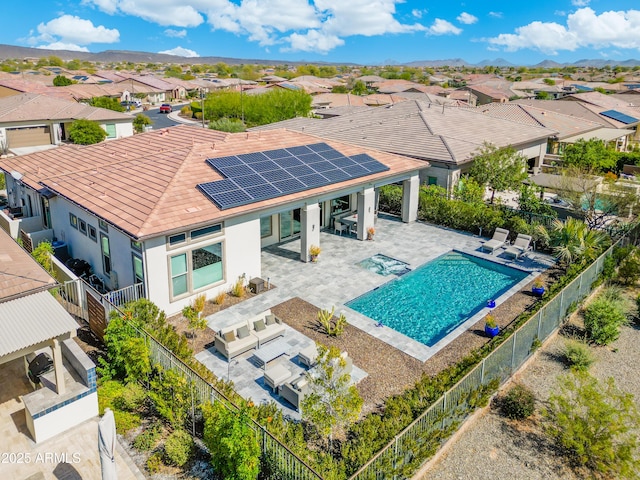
366	211
410	195
57	365
309	229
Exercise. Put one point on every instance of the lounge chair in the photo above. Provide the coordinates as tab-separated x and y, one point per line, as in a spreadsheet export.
498	240
521	245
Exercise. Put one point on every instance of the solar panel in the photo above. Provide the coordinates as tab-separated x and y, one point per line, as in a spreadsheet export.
257	176
619	116
297	151
265	166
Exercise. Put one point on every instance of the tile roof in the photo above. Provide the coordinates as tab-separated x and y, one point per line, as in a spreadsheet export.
571	108
422	130
35	107
20	274
145	185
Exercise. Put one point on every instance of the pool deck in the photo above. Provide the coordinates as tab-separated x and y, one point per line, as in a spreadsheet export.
336	278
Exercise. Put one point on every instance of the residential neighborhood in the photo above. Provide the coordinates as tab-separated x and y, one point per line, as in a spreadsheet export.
253	268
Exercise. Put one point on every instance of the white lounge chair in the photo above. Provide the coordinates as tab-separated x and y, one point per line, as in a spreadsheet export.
521	245
498	241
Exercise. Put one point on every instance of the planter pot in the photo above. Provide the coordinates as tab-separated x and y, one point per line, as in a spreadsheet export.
491	331
491	304
537	291
314	258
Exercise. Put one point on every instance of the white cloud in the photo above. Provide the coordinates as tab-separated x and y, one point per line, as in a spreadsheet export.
467	18
496	14
418	13
181	52
63	46
560	13
170	32
580	3
583	29
311	25
442	27
75	31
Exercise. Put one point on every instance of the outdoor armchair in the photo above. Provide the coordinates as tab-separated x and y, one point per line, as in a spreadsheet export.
498	241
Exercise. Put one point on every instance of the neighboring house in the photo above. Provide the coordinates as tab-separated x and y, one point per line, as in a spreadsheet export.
40	121
156	89
33	322
445	137
485	94
150	209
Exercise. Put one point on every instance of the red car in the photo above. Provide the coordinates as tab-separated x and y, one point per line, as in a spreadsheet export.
165	108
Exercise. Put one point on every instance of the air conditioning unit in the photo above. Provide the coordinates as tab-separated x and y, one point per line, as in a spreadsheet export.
113	280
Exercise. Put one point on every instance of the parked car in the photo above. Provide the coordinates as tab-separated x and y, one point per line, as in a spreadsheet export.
132	103
165	108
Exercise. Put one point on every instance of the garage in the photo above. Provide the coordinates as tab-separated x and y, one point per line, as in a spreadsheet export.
28	136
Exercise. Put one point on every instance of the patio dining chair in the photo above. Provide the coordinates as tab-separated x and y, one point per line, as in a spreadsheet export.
339	227
498	241
521	245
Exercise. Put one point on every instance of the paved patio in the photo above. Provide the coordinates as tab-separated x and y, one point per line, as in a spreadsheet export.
336	279
72	455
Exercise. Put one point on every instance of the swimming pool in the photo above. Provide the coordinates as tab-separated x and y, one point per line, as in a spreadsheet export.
432	300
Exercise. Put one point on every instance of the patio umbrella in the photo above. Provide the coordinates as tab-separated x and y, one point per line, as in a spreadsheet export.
107	445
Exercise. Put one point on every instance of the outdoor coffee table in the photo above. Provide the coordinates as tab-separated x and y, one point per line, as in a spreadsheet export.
271	351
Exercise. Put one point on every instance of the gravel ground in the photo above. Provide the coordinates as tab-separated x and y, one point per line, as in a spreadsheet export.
493	447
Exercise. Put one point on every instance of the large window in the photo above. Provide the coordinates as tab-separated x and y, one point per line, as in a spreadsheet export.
138	271
106	254
340	205
266	226
194	235
111	130
195	269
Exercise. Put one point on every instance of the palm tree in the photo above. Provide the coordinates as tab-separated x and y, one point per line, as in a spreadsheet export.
573	242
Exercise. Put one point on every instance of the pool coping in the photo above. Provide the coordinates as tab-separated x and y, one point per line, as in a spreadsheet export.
417	349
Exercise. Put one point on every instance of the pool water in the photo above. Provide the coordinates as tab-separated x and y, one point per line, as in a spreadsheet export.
432	300
384	265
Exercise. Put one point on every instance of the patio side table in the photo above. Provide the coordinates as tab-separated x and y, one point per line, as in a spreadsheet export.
256	285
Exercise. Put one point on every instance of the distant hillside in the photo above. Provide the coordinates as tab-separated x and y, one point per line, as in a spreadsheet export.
115	56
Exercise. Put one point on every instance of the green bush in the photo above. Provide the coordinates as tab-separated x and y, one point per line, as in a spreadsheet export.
178	448
629	269
132	397
86	132
518	403
110	395
577	355
147	439
154	462
596	424
602	320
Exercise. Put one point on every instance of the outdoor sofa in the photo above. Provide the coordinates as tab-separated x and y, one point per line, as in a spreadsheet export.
248	334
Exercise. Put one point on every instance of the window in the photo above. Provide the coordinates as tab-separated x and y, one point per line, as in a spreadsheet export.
177	239
195	234
179	274
93	234
137	246
432	181
195	269
106	254
73	220
103	226
266	227
82	226
340	205
111	130
46	212
138	271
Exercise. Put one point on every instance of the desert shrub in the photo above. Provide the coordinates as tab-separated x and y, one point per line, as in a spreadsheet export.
219	298
154	462
186	111
332	326
608	268
238	289
110	395
577	355
629	269
147	439
230	125
518	403
131	398
596	424
178	448
171	395
603	319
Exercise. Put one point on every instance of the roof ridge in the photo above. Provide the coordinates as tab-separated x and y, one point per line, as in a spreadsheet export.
446	145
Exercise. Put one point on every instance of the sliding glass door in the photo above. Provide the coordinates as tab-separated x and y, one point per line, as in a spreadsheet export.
290	224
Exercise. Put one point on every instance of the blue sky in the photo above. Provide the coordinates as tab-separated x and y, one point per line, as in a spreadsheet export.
361	31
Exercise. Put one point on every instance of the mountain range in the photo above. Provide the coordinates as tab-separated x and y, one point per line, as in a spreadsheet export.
114	56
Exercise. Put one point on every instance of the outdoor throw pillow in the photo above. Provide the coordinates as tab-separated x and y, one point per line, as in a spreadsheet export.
229	336
243	332
259	325
271	319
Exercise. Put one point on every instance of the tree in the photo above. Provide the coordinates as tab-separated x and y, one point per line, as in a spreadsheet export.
140	122
359	88
331	404
591	156
234	448
42	254
529	201
61	81
86	132
127	354
573	242
499	168
596	423
107	102
193	314
469	190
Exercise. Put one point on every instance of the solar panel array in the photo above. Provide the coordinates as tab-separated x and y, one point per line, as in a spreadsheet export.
253	177
619	116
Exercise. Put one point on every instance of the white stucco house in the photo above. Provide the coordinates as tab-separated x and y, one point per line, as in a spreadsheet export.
185	211
34	121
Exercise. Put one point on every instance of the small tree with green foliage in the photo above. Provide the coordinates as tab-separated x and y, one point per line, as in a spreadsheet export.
86	132
529	201
140	122
62	81
127	354
499	168
469	190
332	404
591	156
596	424
171	395
43	253
234	448
107	102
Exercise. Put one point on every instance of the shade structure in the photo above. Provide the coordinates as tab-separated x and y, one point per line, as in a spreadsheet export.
107	445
